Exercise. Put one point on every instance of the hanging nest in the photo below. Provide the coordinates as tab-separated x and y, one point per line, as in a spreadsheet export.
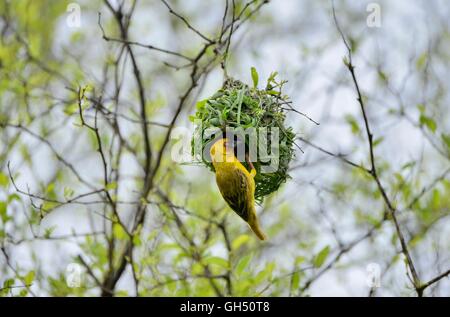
237	105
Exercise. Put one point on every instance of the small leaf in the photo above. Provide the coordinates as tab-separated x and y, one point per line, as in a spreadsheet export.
377	141
408	165
48	231
436	199
111	186
13	197
239	241
446	139
264	274
50	188
255	77
3	210
137	240
201	104
420	63
29	278
353	44
243	263
8	283
3	180
428	122
321	256
421	108
71	109
382	75
353	123
345	61
119	232
273	92
197	269
299	260
217	261
271	80
295	280
68	192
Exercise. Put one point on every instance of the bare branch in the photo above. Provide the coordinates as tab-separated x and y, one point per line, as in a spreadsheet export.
186	22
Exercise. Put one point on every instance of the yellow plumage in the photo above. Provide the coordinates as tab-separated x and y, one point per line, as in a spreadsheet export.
236	184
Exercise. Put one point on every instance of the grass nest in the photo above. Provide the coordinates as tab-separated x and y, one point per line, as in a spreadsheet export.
237	105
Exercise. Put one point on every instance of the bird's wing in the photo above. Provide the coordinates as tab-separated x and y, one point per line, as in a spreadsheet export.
236	192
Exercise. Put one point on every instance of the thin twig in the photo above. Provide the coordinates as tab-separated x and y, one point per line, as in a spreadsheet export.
185	21
373	170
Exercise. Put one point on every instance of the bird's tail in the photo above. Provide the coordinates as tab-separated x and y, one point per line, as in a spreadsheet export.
254	225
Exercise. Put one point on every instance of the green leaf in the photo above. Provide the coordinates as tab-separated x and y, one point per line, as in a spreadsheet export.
49	206
23	293
408	165
264	274
345	61
271	80
137	240
295	280
420	63
353	123
124	293
3	210
4	180
239	241
197	269
13	197
111	186
201	104
50	188
48	231
382	75
299	260
243	263
255	77
71	109
446	139
353	44
8	283
168	246
217	261
273	92
320	258
68	192
119	232
428	122
436	199
421	108
29	278
377	141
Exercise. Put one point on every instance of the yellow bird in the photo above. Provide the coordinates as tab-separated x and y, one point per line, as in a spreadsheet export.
235	183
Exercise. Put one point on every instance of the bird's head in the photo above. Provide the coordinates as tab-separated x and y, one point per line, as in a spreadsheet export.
221	150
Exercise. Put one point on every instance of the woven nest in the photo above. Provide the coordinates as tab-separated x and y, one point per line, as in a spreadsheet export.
237	105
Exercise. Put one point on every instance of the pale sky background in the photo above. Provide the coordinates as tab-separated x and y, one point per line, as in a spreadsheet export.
301	42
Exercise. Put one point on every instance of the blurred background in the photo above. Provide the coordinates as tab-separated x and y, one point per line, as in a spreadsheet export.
91	202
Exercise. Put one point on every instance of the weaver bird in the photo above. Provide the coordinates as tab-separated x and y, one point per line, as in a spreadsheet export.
235	183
